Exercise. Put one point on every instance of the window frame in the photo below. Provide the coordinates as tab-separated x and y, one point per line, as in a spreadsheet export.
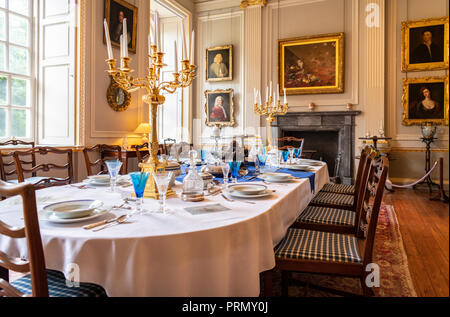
32	35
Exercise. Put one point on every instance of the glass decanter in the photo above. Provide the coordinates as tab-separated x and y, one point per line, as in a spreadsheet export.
193	182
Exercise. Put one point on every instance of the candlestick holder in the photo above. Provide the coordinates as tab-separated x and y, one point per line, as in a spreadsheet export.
271	109
154	87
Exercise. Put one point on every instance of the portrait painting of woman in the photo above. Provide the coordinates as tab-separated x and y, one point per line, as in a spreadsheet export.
219	108
425	100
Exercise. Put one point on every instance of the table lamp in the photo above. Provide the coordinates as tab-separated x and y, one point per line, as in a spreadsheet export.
145	129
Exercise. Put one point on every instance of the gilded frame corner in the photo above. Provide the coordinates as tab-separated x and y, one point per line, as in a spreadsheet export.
339	38
230	68
405	54
135	17
405	100
232	121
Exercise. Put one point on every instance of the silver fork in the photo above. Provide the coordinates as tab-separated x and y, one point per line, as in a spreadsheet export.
232	200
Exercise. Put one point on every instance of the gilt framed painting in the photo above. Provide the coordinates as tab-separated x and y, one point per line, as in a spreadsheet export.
425	45
219	63
425	100
115	12
219	108
312	64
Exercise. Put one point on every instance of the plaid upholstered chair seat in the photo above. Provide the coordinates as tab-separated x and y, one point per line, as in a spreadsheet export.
57	286
328	216
339	189
301	244
332	199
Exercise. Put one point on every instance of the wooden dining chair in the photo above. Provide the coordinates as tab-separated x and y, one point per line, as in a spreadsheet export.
310	251
39	282
341	201
7	166
140	151
344	188
104	152
42	154
334	219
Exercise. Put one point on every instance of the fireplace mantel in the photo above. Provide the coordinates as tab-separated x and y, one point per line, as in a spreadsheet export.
340	122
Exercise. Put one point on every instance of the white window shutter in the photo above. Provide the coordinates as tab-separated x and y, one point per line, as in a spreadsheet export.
56	72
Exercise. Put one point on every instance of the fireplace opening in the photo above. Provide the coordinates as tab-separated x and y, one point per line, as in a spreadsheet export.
326	143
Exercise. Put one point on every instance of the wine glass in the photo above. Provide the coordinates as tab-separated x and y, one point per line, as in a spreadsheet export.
162	180
113	170
262	159
297	152
291	153
225	170
234	167
202	155
139	180
285	155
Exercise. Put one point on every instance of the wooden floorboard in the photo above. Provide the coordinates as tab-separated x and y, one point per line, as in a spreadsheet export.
424	226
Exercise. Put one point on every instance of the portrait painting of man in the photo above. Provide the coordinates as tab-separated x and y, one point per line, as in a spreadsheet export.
219	108
312	65
219	63
426	99
425	44
115	13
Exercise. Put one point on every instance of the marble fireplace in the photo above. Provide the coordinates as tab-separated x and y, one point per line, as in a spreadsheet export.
330	133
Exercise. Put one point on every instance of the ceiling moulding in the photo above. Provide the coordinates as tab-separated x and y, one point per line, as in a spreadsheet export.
248	3
216	5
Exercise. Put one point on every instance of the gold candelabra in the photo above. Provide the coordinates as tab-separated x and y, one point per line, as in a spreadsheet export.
154	87
271	109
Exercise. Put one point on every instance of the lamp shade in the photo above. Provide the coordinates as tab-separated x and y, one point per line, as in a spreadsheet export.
144	128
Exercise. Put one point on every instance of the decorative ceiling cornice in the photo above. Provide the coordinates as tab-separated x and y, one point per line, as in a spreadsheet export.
248	3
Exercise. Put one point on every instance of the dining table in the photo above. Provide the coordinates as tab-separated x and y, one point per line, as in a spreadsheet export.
209	252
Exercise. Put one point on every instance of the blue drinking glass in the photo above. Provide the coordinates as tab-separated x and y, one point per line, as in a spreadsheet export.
262	159
234	167
296	152
202	155
285	155
139	180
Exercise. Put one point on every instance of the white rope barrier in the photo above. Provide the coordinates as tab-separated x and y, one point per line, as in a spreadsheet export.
389	183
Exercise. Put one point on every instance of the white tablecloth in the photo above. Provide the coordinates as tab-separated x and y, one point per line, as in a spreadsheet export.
179	254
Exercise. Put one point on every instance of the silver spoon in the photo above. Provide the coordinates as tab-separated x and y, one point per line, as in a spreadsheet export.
119	220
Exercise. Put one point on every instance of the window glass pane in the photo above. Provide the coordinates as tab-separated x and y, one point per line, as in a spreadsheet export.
19	123
18	60
2	26
20	92
3	90
2	122
18	30
2	57
2	3
19	6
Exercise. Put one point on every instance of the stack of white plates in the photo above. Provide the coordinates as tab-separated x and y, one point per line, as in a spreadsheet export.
248	190
310	162
301	167
276	177
72	211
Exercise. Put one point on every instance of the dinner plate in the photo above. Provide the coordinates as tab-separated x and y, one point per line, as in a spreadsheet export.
277	176
73	208
272	180
120	181
247	189
233	193
310	162
49	217
304	168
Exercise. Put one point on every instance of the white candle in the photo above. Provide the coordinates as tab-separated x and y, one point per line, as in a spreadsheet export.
183	37
108	40
278	92
191	57
270	87
255	95
267	94
125	37
175	60
285	100
259	97
157	34
121	51
154	41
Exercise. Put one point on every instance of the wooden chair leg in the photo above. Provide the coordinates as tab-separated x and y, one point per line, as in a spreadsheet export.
367	291
285	283
4	274
267	280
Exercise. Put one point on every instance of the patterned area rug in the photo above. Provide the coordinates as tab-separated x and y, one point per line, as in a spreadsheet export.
389	254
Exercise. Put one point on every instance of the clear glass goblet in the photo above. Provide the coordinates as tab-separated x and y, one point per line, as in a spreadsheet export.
113	170
162	180
139	180
225	171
